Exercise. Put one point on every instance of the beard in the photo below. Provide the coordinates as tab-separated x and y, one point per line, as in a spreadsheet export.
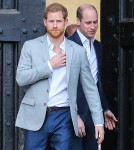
55	33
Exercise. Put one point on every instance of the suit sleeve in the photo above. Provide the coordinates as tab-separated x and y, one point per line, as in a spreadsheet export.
104	101
27	74
91	91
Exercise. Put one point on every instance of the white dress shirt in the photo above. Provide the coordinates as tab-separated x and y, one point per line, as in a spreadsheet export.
58	95
90	54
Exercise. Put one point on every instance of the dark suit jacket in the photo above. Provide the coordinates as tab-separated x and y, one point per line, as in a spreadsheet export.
83	109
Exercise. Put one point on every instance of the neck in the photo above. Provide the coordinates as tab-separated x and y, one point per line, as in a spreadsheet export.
56	41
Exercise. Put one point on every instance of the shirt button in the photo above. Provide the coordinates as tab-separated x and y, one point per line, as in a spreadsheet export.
47	91
45	104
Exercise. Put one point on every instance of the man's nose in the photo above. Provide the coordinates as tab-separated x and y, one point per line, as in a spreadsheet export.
92	25
55	24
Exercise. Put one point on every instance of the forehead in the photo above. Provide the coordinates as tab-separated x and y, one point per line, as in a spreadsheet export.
55	15
89	15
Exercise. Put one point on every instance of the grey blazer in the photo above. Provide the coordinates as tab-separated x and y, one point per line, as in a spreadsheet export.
33	70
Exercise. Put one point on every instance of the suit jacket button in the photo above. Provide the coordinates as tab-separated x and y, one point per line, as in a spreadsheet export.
45	104
47	91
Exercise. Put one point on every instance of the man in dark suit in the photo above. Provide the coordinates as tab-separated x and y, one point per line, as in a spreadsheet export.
87	19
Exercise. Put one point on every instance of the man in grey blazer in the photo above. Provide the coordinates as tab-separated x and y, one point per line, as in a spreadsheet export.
51	65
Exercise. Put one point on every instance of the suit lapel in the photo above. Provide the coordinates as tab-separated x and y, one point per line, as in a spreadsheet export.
69	54
98	54
75	37
44	48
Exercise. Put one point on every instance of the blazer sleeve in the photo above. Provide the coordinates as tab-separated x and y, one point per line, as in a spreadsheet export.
27	73
91	91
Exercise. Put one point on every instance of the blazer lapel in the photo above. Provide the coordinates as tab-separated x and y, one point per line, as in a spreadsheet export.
69	54
44	48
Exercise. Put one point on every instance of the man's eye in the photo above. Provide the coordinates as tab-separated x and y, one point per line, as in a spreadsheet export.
95	22
88	22
50	20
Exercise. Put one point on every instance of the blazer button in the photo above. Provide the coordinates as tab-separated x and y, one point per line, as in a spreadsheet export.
45	104
47	91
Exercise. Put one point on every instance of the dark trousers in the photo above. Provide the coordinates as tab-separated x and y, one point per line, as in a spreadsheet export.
57	130
89	141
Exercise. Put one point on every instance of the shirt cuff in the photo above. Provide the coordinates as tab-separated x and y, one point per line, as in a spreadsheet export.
99	125
49	65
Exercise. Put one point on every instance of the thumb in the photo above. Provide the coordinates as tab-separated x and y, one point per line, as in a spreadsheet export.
114	118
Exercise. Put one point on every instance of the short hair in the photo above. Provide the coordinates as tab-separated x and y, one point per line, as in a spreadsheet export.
79	12
70	29
55	7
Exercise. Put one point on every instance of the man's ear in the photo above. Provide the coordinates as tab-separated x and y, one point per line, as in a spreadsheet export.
44	21
66	22
78	21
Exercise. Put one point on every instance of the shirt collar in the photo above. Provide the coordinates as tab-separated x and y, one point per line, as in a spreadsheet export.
83	38
51	45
